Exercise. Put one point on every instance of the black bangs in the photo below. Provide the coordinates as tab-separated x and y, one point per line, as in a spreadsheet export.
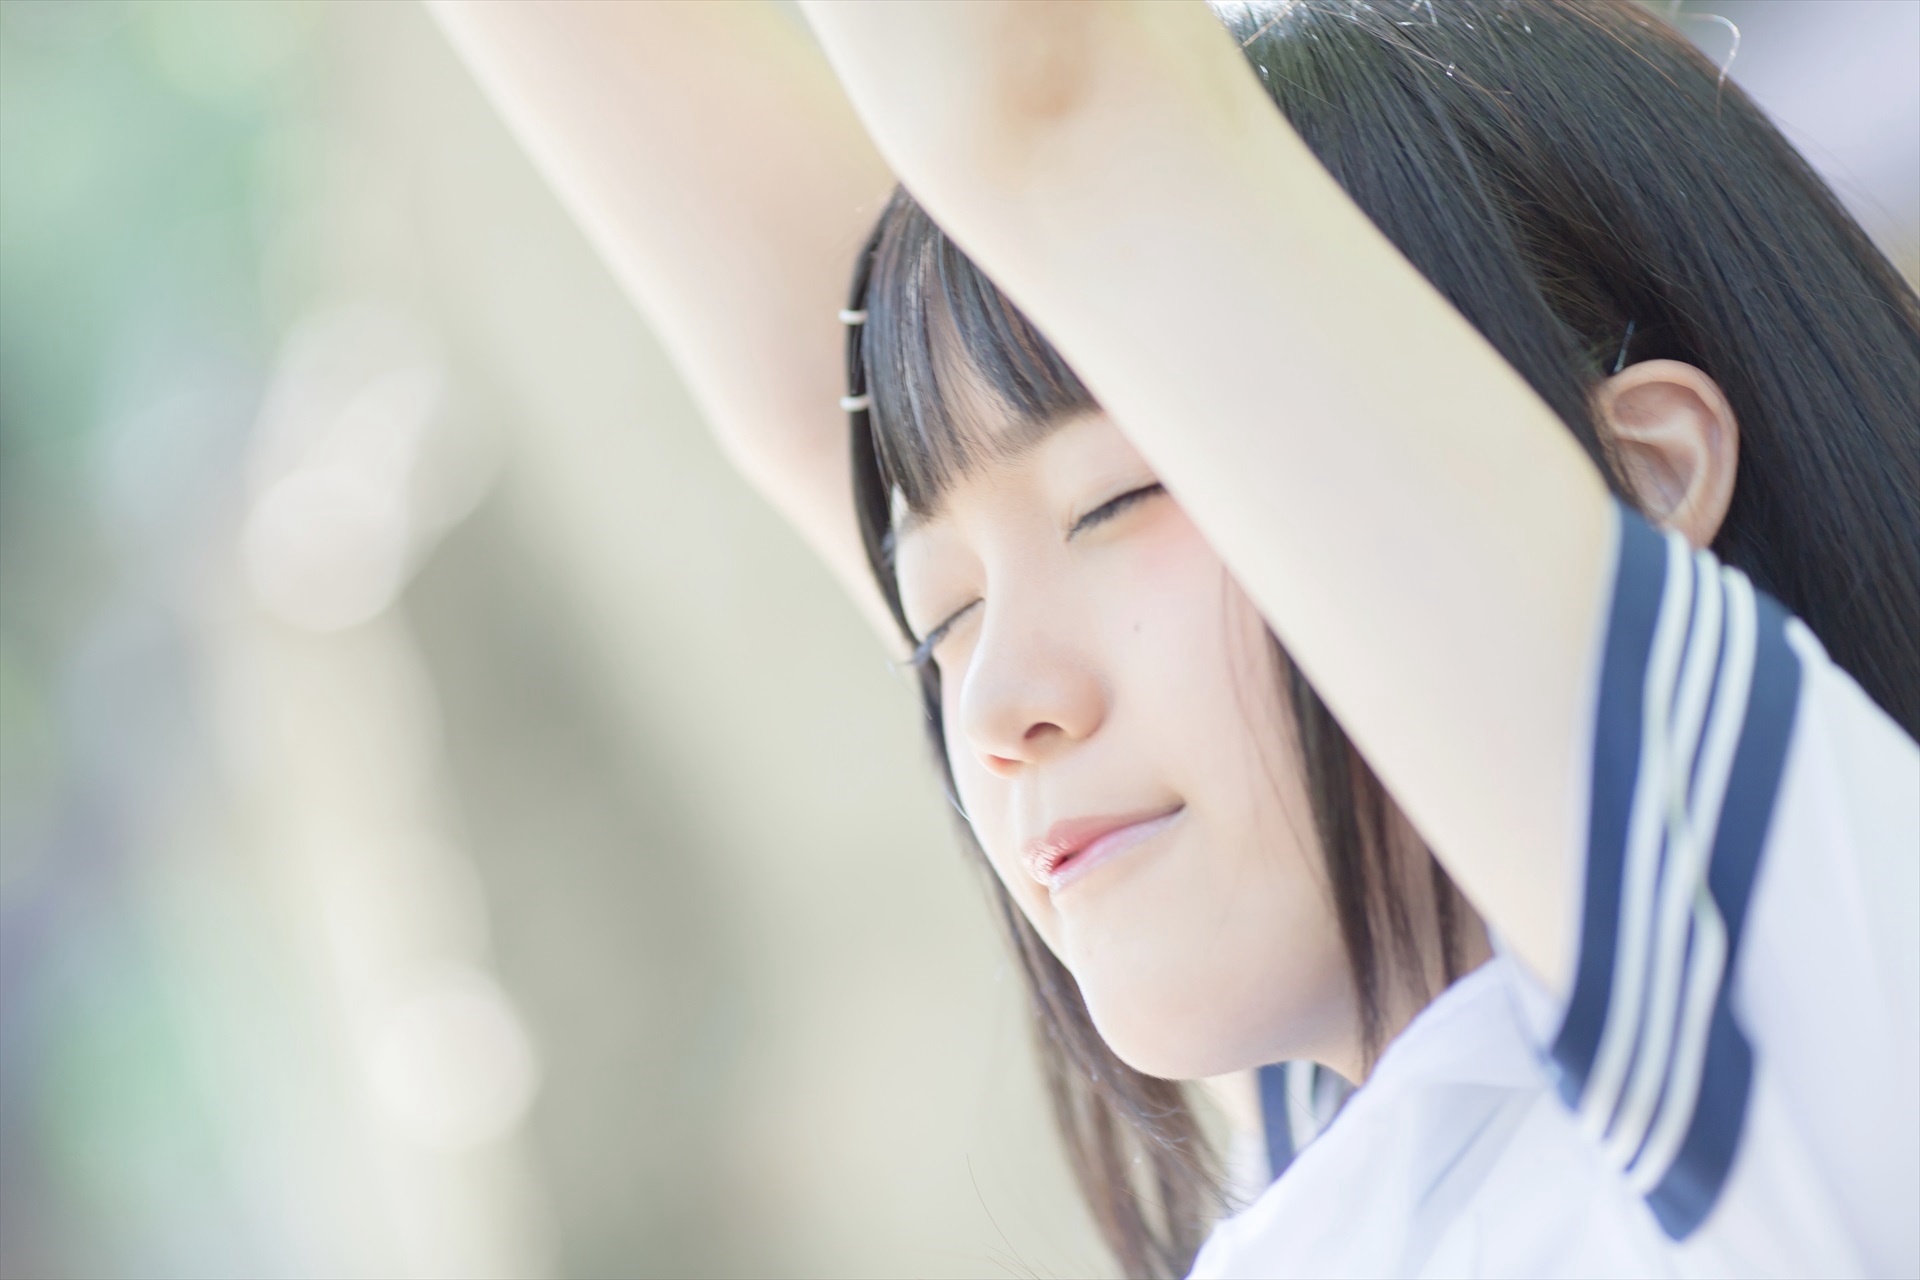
956	373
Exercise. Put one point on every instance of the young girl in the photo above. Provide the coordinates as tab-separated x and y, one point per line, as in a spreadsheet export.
1295	634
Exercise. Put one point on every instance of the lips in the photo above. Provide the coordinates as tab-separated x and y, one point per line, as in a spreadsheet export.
1074	846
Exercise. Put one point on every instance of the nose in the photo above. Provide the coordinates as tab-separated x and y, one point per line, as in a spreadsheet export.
1029	694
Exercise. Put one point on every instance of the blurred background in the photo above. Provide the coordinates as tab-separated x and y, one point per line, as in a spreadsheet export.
447	826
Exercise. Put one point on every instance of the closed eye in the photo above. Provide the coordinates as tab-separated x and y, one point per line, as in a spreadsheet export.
1108	510
923	654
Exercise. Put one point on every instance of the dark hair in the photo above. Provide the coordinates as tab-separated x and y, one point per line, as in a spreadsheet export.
1566	174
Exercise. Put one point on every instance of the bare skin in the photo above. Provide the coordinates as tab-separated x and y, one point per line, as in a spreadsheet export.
711	157
1430	543
1117	667
1100	665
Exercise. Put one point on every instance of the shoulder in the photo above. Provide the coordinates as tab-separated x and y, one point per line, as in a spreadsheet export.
1752	897
1455	1158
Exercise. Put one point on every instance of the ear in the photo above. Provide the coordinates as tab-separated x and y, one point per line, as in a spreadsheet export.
1674	439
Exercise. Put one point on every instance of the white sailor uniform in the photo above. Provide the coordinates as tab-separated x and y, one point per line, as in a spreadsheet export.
1733	1085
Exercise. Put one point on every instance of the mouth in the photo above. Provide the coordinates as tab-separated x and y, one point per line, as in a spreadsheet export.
1075	846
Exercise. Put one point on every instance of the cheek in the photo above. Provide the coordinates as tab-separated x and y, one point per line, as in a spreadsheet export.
1196	674
1190	650
1228	954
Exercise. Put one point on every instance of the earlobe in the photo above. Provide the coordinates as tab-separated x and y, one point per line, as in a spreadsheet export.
1674	442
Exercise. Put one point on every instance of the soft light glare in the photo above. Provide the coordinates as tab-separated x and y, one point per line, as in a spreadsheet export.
325	549
449	1064
332	533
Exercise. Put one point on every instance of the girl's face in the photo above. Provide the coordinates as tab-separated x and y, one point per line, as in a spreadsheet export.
1116	726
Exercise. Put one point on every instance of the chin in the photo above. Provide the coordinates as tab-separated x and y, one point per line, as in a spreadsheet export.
1173	1043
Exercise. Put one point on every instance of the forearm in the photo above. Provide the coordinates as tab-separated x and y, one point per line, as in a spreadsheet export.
715	164
1425	537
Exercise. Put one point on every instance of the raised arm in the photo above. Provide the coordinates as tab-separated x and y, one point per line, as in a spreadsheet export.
1414	522
718	168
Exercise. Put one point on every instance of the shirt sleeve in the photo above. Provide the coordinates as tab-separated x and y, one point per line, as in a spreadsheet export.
1750	932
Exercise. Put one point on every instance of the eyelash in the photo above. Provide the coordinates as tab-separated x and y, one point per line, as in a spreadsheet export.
1108	510
923	653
